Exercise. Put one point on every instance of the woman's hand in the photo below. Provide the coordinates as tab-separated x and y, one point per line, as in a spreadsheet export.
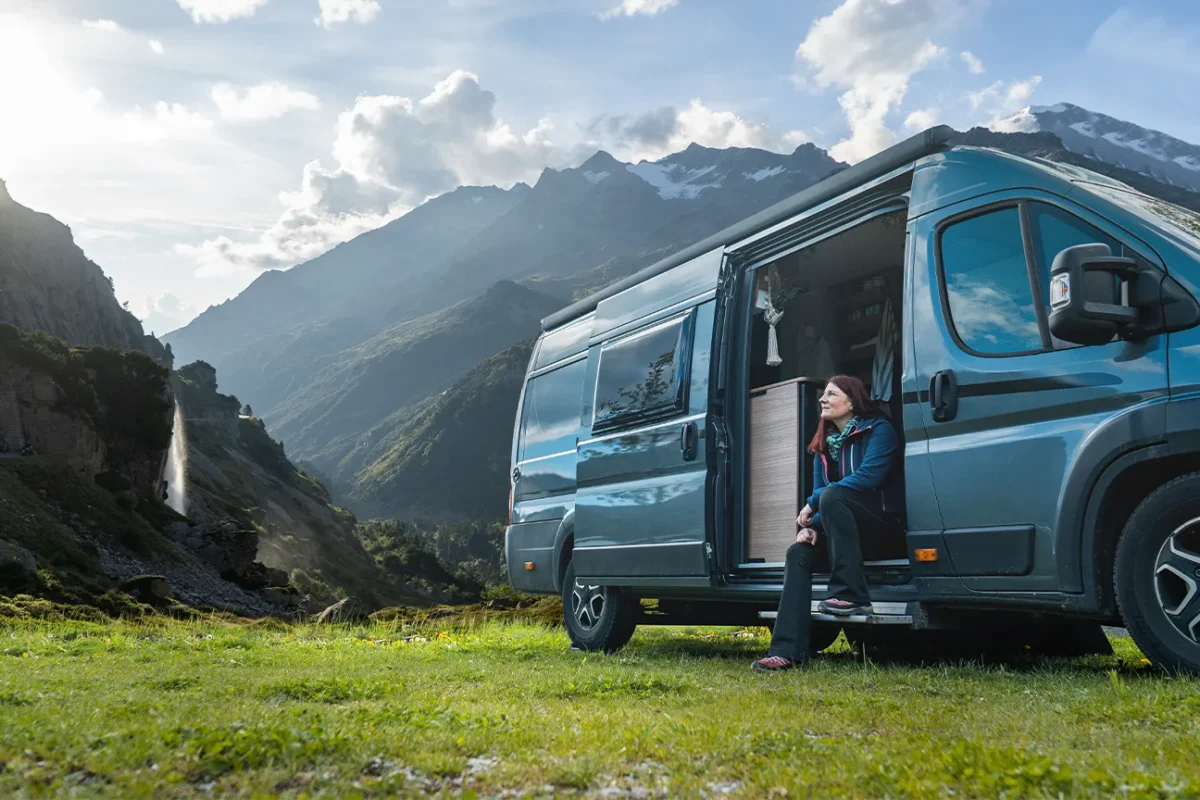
805	518
806	536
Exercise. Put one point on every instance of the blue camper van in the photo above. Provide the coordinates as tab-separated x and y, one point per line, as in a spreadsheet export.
1034	330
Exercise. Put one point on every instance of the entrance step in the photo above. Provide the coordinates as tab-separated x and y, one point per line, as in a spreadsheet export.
882	614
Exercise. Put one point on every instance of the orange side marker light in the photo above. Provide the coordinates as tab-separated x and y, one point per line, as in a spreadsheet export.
529	566
927	555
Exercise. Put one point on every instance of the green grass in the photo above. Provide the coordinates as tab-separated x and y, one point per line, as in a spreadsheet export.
170	708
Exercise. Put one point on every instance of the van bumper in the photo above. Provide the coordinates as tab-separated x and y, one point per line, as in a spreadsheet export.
531	543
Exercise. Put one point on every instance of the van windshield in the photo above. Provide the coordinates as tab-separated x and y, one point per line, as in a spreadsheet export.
1183	222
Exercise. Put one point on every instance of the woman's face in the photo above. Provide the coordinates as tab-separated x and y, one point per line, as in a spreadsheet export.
835	404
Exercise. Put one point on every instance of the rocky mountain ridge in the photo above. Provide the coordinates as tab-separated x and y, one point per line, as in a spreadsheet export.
1112	141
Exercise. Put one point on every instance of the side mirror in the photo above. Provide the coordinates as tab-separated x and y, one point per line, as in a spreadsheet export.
1085	294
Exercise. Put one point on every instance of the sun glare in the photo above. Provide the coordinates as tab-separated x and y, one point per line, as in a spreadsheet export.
40	105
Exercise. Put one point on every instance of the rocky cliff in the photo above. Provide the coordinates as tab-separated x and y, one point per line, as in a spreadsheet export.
104	413
84	434
47	284
237	473
87	415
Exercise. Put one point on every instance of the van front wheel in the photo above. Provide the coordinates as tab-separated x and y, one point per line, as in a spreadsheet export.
1157	575
597	617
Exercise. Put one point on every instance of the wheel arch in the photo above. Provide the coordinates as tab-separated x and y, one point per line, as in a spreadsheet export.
1095	464
1116	494
564	544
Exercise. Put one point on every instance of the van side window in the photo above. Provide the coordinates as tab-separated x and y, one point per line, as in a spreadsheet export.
550	412
1054	230
644	377
987	286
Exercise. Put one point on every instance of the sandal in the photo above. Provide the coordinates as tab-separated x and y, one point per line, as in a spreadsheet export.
844	608
773	664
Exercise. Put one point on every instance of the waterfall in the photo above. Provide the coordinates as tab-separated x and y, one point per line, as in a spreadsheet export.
177	465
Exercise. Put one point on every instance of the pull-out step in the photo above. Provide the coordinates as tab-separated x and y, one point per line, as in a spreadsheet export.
883	614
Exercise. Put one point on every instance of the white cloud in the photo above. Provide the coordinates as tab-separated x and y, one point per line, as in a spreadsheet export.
873	48
167	120
922	118
665	130
972	62
1019	93
629	8
793	139
262	101
705	126
48	112
220	10
334	12
391	154
157	47
1001	99
106	25
165	313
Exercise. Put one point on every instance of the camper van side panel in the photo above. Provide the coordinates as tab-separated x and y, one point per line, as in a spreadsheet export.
642	501
543	470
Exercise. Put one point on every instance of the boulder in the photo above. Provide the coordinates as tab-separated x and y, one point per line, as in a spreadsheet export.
350	609
277	577
148	588
280	597
224	546
18	567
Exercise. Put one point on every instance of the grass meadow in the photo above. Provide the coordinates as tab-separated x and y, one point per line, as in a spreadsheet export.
170	708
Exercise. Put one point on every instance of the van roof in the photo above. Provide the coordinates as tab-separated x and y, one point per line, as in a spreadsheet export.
926	143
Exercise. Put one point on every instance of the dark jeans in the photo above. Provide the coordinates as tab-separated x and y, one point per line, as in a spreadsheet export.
791	635
846	516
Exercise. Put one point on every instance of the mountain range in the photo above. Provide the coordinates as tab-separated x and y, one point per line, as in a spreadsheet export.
1112	141
392	363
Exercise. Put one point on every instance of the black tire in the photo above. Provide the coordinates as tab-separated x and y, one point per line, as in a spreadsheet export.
1157	575
597	617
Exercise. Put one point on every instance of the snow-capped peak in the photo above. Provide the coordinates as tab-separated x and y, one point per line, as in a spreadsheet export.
1112	140
675	182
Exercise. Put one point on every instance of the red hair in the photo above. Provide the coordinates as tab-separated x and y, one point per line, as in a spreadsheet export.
860	403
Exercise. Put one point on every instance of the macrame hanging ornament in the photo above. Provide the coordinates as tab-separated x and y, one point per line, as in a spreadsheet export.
773	313
772	317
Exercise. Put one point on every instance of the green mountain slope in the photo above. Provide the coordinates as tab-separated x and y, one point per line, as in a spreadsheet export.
451	461
358	280
345	400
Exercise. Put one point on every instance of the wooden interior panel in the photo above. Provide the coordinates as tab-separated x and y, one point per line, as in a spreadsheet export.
775	462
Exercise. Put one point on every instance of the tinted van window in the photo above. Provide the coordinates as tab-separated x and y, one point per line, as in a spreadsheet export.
550	412
644	376
987	284
1054	230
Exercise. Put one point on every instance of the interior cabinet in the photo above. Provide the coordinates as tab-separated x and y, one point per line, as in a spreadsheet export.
783	418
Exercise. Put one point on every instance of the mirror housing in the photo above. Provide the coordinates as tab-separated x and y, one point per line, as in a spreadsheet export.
1085	294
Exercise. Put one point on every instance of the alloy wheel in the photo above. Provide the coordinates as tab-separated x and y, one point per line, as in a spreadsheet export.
1177	579
587	604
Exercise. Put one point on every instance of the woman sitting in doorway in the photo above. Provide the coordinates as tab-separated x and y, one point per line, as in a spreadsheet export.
858	489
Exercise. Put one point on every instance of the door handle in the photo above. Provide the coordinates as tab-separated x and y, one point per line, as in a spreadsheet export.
943	395
687	441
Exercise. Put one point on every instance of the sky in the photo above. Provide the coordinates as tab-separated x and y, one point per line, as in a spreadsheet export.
192	144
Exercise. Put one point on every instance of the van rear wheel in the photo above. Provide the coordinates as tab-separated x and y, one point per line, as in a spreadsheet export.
1157	575
597	617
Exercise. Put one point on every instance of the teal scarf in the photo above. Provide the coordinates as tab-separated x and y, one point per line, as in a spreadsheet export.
835	439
